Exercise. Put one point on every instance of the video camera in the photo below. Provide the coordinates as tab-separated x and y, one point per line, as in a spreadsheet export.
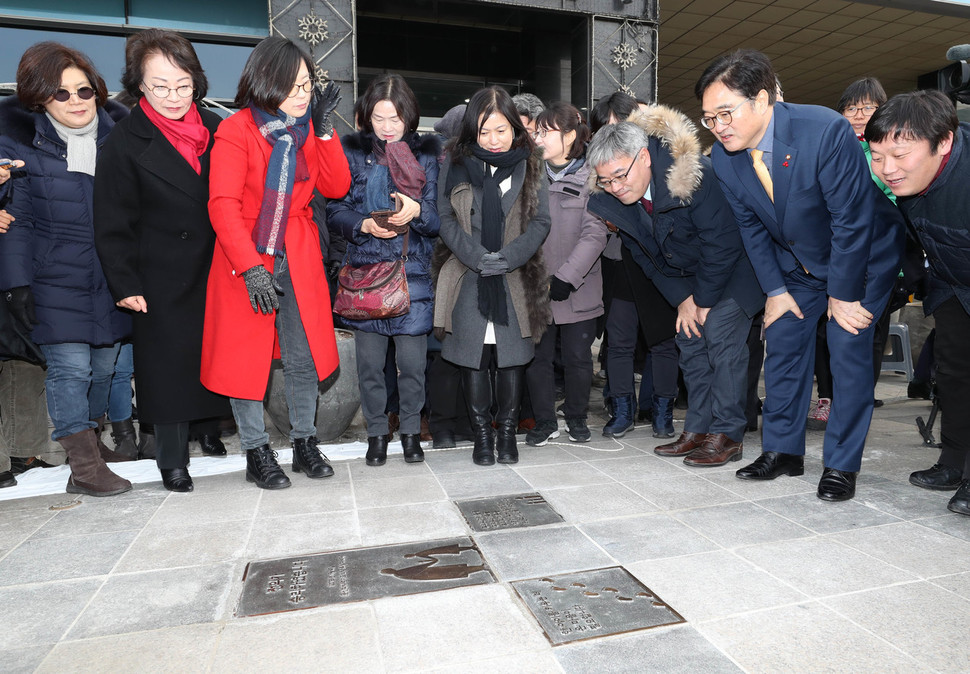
954	79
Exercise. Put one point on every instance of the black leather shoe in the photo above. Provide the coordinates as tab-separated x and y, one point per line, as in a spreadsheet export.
836	485
443	439
308	459
770	465
7	479
411	442
376	450
939	477
960	503
211	445
177	479
263	469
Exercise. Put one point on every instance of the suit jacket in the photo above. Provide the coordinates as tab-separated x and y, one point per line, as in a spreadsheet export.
828	217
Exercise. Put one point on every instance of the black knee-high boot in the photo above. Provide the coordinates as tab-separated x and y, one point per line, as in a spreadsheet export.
508	390
478	396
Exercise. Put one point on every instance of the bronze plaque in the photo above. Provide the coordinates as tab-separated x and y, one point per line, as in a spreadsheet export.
508	512
308	581
588	604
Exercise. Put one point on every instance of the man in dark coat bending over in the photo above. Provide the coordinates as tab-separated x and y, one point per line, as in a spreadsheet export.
660	195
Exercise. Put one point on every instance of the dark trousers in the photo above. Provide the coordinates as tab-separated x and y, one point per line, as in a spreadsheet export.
577	362
953	383
623	325
447	410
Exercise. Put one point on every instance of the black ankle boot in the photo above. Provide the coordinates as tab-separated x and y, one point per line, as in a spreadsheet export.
508	390
308	459
177	479
376	450
478	396
211	445
411	442
262	468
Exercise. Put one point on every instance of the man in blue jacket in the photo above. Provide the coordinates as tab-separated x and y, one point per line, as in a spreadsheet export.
659	193
922	153
822	239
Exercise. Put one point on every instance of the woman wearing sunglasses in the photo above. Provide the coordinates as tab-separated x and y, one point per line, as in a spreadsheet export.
49	270
152	229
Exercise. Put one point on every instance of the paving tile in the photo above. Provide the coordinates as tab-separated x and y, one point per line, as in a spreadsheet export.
455	460
632	539
540	551
333	639
544	456
738	524
903	500
298	533
713	585
19	525
169	546
101	516
670	649
759	489
175	649
677	492
950	523
45	559
23	660
400	524
932	637
825	518
164	598
821	566
320	496
40	503
395	467
597	502
35	615
210	484
482	483
807	637
525	662
217	507
958	583
638	468
601	448
394	491
434	629
911	547
562	475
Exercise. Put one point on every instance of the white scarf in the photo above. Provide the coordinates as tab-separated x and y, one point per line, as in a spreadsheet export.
82	145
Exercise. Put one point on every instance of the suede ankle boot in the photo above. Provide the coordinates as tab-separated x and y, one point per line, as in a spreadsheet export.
89	473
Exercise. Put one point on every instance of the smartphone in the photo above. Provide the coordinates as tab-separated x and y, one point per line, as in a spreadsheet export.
6	164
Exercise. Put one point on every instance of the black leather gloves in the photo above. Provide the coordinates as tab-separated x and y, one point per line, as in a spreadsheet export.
325	100
493	264
559	289
20	301
263	289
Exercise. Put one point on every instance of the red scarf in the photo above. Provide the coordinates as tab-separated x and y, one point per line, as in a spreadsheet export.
187	135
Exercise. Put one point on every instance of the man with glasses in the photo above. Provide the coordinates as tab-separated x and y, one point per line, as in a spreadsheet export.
822	239
659	193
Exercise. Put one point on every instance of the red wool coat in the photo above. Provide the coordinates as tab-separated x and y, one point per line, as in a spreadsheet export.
238	345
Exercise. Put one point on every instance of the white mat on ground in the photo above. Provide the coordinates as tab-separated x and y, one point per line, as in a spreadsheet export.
42	481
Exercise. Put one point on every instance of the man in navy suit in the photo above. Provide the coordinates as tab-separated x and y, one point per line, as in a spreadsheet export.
822	239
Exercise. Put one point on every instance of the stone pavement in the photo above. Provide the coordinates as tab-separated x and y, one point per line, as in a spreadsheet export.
766	577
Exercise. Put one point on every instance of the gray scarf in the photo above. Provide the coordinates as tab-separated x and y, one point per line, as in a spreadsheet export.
82	145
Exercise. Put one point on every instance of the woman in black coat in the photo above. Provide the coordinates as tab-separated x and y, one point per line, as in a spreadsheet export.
155	240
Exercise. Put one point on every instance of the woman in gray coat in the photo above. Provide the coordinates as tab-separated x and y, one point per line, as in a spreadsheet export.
492	294
572	256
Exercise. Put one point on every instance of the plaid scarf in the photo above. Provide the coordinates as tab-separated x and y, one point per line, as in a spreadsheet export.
286	135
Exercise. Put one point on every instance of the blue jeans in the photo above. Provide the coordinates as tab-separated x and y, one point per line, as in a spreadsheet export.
299	374
78	382
119	400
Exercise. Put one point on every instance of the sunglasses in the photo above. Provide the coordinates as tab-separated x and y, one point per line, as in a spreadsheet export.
84	93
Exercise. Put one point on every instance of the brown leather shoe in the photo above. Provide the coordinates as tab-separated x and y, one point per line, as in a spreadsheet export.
685	444
717	450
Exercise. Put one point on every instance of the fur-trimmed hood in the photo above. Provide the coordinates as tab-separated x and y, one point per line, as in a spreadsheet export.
20	124
675	150
429	143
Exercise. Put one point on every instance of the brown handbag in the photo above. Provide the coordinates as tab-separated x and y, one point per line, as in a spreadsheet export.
378	290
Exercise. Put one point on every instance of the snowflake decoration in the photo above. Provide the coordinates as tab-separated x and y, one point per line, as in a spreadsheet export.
320	74
313	29
627	90
624	56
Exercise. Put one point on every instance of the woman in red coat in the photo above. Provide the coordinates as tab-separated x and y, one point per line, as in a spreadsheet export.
267	291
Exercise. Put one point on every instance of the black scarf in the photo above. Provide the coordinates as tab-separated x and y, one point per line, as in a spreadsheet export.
491	289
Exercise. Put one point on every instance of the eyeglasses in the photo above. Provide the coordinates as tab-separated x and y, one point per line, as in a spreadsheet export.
852	110
306	87
724	117
603	183
183	91
84	93
539	133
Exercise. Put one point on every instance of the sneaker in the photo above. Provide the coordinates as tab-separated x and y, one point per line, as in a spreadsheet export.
818	418
542	433
578	430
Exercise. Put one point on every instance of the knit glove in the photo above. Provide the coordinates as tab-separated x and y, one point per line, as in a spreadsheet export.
20	301
325	100
493	264
263	289
559	289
